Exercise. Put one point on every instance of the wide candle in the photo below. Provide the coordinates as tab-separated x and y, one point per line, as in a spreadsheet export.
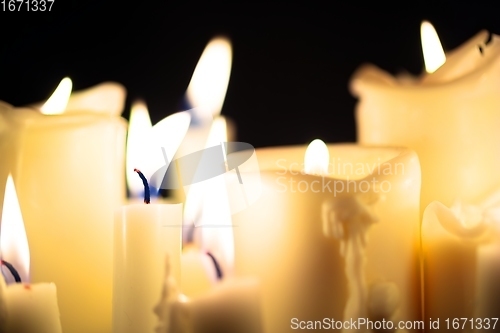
343	244
449	117
69	173
24	307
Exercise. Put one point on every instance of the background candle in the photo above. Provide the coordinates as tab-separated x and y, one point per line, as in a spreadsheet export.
461	252
68	169
296	238
449	119
232	306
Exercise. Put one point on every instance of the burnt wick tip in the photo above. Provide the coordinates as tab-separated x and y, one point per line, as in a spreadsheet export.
147	196
12	270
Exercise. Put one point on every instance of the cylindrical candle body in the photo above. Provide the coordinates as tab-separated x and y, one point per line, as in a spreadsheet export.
233	306
341	246
68	170
30	308
460	268
144	234
450	119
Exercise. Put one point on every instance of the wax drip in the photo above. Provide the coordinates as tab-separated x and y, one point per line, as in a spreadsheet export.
147	196
348	219
12	270
218	270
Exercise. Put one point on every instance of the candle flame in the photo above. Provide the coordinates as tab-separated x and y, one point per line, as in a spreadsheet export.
138	142
210	79
169	133
207	206
317	158
13	241
432	49
56	104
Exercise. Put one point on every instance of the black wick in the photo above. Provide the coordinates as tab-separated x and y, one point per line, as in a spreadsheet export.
218	270
12	270
147	196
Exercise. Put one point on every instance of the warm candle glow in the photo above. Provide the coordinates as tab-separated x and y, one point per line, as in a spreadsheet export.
210	79
147	146
432	49
13	241
138	143
207	206
56	104
316	158
167	135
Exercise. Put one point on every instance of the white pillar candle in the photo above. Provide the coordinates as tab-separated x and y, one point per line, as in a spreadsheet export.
24	307
461	252
144	234
448	117
69	173
339	246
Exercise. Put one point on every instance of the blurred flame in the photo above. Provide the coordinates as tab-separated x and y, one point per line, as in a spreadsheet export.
13	241
432	49
56	104
207	206
210	79
145	143
317	158
138	141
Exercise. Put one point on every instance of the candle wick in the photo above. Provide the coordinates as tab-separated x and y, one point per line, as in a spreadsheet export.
147	197
12	270
218	270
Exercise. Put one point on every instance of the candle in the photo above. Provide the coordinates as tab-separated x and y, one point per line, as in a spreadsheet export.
339	246
24	308
232	306
448	117
68	169
461	252
144	234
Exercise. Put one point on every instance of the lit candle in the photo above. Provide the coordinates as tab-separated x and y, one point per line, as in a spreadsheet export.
145	233
343	245
68	169
24	307
231	306
448	116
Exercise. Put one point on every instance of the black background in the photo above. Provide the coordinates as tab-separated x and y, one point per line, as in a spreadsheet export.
291	62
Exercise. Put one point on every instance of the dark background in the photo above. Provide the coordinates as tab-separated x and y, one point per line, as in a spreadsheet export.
291	62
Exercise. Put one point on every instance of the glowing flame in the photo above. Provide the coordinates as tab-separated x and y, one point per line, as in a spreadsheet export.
138	142
432	49
146	144
207	206
56	104
210	79
168	135
317	158
13	240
